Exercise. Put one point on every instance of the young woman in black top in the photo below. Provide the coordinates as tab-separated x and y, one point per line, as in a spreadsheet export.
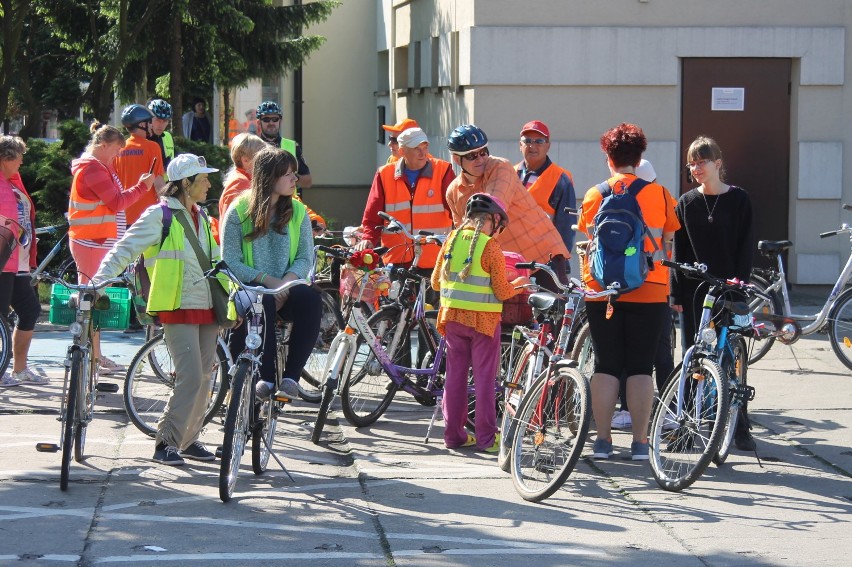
716	221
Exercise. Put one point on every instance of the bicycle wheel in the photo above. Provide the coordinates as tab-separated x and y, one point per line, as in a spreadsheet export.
367	389
236	429
840	328
70	415
330	324
329	388
583	352
263	434
551	429
150	380
680	456
86	407
736	370
5	345
513	397
757	348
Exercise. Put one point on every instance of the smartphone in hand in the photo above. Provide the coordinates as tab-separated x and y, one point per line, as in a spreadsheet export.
153	163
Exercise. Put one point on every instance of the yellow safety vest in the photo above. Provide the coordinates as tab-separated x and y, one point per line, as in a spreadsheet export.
294	227
475	292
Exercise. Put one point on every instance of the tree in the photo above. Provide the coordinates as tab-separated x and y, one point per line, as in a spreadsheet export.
102	34
14	13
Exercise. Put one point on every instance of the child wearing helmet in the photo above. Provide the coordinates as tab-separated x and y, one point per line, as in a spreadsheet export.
471	276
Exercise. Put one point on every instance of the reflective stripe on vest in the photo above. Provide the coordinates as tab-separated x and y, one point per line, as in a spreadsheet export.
88	219
288	145
294	227
424	211
474	293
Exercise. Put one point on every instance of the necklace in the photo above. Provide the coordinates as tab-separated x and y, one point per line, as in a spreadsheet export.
709	211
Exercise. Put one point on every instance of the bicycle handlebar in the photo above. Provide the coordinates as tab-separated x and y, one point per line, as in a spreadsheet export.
222	268
574	285
53	229
421	238
91	286
699	271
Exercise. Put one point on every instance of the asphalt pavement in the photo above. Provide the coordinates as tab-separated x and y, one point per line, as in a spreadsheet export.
382	496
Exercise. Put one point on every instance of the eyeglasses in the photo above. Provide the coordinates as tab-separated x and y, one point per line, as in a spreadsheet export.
472	156
270	119
393	140
533	141
692	166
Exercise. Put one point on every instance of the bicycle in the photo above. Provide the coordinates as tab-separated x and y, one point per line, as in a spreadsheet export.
695	415
834	317
548	423
81	375
246	416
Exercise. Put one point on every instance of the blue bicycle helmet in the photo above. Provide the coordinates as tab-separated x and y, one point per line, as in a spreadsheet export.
160	108
135	114
267	107
467	138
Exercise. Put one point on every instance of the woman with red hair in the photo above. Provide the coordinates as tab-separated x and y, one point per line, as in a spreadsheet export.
625	333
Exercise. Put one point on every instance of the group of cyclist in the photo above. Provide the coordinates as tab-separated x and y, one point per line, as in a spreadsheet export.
267	236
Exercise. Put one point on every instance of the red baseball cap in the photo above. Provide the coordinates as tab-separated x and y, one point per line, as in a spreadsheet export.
536	126
400	127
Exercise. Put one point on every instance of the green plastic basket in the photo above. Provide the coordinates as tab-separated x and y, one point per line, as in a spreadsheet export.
116	317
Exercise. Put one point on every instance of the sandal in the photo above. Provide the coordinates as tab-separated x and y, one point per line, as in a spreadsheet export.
109	366
471	441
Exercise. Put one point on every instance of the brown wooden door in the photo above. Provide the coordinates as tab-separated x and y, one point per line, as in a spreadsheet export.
755	141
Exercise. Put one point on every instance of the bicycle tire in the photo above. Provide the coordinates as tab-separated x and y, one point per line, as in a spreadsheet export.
690	447
263	434
367	389
86	407
584	352
840	327
69	416
331	323
328	389
758	348
5	345
737	373
513	398
236	429
551	430
150	380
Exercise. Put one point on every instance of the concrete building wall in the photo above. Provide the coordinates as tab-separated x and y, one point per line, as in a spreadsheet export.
583	67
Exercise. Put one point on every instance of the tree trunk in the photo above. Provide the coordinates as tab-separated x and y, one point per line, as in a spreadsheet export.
11	27
226	95
175	67
32	129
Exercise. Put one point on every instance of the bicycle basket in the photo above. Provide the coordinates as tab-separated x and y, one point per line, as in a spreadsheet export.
361	285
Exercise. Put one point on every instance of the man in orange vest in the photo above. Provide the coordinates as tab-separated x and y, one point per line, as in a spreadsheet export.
139	156
412	190
551	186
394	130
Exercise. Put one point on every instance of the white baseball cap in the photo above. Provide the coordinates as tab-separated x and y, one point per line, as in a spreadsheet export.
187	165
412	138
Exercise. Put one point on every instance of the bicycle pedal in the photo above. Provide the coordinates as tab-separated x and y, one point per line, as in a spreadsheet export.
47	447
747	392
282	398
108	387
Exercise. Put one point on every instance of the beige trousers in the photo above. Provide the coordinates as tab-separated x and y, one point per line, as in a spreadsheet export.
193	350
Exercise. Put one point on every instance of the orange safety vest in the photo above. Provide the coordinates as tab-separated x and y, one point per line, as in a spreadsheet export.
425	211
542	187
87	219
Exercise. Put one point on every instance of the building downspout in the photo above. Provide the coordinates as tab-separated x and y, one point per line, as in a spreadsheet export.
297	96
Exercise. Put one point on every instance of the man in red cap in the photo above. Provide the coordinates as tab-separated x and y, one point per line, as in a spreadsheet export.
551	186
395	130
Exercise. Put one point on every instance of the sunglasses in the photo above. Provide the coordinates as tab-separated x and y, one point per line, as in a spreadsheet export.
393	140
270	119
473	156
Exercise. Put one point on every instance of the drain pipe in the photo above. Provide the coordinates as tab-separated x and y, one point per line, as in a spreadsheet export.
297	96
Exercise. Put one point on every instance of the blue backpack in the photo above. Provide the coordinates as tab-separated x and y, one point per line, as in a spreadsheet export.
617	252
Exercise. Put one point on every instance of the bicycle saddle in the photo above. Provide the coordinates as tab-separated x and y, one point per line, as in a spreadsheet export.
774	246
542	300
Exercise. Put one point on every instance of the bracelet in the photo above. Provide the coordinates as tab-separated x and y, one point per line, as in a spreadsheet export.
262	277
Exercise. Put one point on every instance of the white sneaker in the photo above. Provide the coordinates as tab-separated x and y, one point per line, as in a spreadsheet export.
30	377
621	420
9	380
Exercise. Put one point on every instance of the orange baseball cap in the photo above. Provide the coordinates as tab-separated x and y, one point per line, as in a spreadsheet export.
536	126
400	127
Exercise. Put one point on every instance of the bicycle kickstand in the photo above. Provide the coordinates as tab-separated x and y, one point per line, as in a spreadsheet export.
432	421
277	460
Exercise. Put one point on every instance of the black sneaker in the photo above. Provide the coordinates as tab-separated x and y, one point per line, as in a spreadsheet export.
167	455
198	452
